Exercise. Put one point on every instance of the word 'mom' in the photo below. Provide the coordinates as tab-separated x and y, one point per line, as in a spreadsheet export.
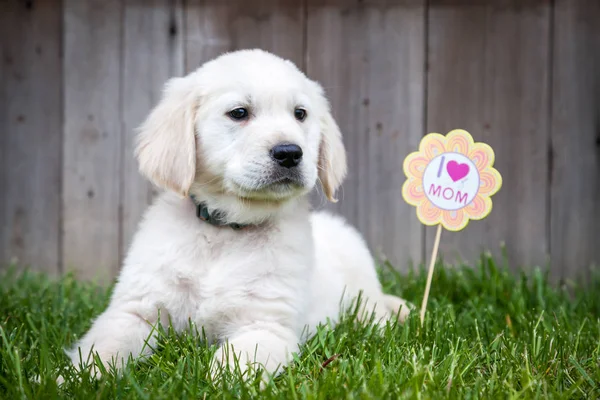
448	193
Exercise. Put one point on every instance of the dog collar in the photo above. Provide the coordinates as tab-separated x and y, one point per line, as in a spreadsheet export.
215	218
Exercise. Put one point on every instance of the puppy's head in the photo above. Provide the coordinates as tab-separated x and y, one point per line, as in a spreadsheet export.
248	125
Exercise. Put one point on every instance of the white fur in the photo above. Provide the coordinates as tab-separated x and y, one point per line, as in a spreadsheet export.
257	288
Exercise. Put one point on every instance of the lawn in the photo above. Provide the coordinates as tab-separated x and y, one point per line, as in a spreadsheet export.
488	334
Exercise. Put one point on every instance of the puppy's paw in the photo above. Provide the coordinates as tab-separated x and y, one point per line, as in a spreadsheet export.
239	363
59	380
399	308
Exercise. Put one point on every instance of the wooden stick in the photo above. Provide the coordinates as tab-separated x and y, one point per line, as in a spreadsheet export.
436	245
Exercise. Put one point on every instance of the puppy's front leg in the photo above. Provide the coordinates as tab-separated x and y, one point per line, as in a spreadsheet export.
114	335
265	345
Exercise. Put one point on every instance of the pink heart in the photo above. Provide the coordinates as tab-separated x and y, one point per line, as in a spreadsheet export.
457	171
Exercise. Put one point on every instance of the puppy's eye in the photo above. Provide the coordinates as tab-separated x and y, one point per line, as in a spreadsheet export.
238	113
300	114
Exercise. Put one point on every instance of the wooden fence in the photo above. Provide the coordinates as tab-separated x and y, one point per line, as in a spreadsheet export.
522	75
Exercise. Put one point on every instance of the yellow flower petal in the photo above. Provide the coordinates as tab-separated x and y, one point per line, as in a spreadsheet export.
454	220
479	208
428	214
414	165
482	156
490	182
432	145
412	191
459	141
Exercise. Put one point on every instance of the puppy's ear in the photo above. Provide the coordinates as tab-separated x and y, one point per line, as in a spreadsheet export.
332	157
166	142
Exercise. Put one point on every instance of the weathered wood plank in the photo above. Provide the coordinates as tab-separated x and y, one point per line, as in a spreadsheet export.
337	57
214	27
488	74
92	137
575	127
31	134
152	53
369	55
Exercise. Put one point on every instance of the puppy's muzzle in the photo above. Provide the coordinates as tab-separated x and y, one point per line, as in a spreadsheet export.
287	155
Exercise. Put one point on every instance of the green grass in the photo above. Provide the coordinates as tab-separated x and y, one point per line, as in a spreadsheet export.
488	334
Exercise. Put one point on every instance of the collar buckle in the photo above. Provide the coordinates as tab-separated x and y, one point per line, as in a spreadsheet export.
216	218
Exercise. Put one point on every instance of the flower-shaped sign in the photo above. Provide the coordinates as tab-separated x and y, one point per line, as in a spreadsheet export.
450	180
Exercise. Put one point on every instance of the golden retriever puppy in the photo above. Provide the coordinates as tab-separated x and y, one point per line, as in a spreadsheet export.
231	244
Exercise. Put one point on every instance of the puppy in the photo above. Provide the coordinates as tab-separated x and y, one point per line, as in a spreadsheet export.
231	243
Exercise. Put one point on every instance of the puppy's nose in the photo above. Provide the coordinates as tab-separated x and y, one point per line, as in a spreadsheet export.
287	155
